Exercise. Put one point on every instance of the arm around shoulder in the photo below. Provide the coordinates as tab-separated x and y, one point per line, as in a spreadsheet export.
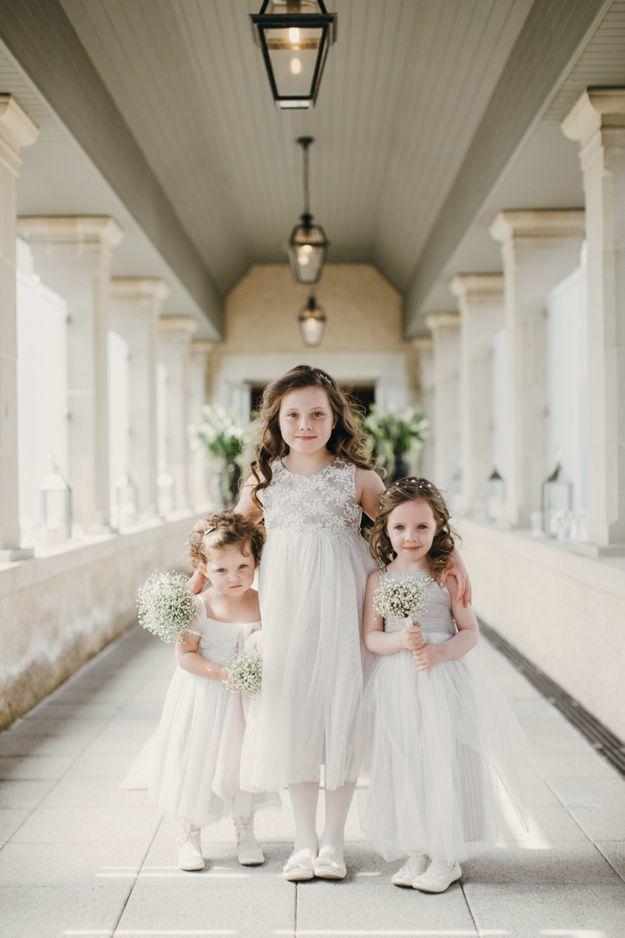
369	488
247	505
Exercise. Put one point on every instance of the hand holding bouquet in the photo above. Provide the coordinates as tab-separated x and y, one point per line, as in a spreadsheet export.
245	673
165	606
403	598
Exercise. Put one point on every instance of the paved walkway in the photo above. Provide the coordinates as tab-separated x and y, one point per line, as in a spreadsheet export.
80	856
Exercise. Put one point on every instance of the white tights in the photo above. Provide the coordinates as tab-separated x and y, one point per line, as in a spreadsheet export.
304	797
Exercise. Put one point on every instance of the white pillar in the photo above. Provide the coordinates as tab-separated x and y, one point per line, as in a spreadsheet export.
72	255
16	131
597	121
424	347
480	297
445	329
201	471
135	309
539	249
174	352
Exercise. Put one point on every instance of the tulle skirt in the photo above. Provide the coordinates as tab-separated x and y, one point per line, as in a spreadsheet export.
449	767
311	594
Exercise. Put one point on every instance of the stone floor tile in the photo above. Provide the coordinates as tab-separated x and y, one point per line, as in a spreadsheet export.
34	767
591	792
614	852
588	764
94	793
14	744
53	911
24	793
51	710
100	765
88	825
10	820
565	864
69	864
579	911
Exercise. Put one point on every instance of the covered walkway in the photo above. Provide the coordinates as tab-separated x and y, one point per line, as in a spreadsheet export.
80	856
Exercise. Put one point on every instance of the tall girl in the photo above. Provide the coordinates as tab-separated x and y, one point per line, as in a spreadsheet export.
447	756
310	481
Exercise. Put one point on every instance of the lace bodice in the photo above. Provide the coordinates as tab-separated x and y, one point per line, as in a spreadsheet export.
437	616
325	500
218	640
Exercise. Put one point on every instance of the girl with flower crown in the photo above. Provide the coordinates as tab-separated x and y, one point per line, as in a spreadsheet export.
311	481
448	762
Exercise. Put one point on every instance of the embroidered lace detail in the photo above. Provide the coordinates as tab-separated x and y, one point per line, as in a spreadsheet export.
325	500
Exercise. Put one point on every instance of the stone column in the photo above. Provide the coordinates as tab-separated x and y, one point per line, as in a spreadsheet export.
72	255
135	309
424	348
480	297
16	131
201	473
445	329
174	352
597	121
539	249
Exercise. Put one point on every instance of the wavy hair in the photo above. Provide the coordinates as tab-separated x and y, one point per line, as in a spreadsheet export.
346	440
222	529
408	490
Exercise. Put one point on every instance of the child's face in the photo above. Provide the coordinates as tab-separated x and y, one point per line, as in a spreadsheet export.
411	528
230	570
306	419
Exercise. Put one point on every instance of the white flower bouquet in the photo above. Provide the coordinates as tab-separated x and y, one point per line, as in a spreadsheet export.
165	605
245	673
401	597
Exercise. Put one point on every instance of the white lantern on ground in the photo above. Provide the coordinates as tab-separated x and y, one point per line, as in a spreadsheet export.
55	501
556	502
496	498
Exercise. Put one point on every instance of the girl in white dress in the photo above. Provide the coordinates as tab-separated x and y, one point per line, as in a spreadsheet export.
447	755
194	753
310	481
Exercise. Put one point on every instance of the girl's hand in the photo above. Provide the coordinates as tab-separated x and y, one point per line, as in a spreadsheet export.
426	657
197	582
457	568
411	637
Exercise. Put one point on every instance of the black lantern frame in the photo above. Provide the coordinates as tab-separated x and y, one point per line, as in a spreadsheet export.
312	320
285	34
307	247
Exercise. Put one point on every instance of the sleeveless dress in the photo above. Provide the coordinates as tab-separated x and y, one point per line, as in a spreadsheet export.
193	756
449	766
311	587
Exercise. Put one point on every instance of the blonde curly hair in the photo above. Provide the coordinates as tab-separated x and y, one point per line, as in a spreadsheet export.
221	529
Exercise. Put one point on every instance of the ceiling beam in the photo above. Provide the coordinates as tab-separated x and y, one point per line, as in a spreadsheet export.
42	39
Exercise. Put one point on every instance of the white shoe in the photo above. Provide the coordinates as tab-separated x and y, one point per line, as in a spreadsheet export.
249	851
189	855
438	877
413	867
300	866
328	865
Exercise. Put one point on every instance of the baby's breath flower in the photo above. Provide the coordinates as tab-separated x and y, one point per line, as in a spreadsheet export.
165	605
399	597
245	673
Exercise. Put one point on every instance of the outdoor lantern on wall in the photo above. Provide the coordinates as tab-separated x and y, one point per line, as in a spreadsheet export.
294	36
496	496
55	506
308	245
556	501
312	321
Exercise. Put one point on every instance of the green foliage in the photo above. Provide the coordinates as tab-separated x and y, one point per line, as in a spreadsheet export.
392	435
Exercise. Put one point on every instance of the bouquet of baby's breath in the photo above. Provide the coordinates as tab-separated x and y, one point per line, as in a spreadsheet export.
165	605
245	673
399	597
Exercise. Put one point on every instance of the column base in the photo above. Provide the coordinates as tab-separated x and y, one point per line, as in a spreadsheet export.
600	550
11	554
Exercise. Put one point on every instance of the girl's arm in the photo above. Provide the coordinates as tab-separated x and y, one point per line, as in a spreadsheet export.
375	638
458	570
197	582
369	487
189	658
246	504
466	639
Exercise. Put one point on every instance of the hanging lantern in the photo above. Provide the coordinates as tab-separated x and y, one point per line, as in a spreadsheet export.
294	36
55	501
308	245
496	497
312	321
556	501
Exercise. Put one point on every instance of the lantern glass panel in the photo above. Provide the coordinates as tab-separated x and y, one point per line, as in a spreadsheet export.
311	328
55	497
307	252
294	64
557	501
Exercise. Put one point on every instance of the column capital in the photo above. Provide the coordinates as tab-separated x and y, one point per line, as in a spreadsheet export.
596	109
16	127
139	288
100	230
177	327
471	286
539	224
449	319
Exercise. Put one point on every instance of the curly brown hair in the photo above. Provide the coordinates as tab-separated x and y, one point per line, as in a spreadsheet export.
220	529
406	490
346	441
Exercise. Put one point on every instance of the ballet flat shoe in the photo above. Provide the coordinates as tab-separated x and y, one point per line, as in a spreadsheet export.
300	866
327	866
438	877
413	867
189	854
249	851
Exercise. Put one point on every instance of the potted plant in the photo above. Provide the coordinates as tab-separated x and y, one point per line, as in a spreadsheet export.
393	436
226	440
